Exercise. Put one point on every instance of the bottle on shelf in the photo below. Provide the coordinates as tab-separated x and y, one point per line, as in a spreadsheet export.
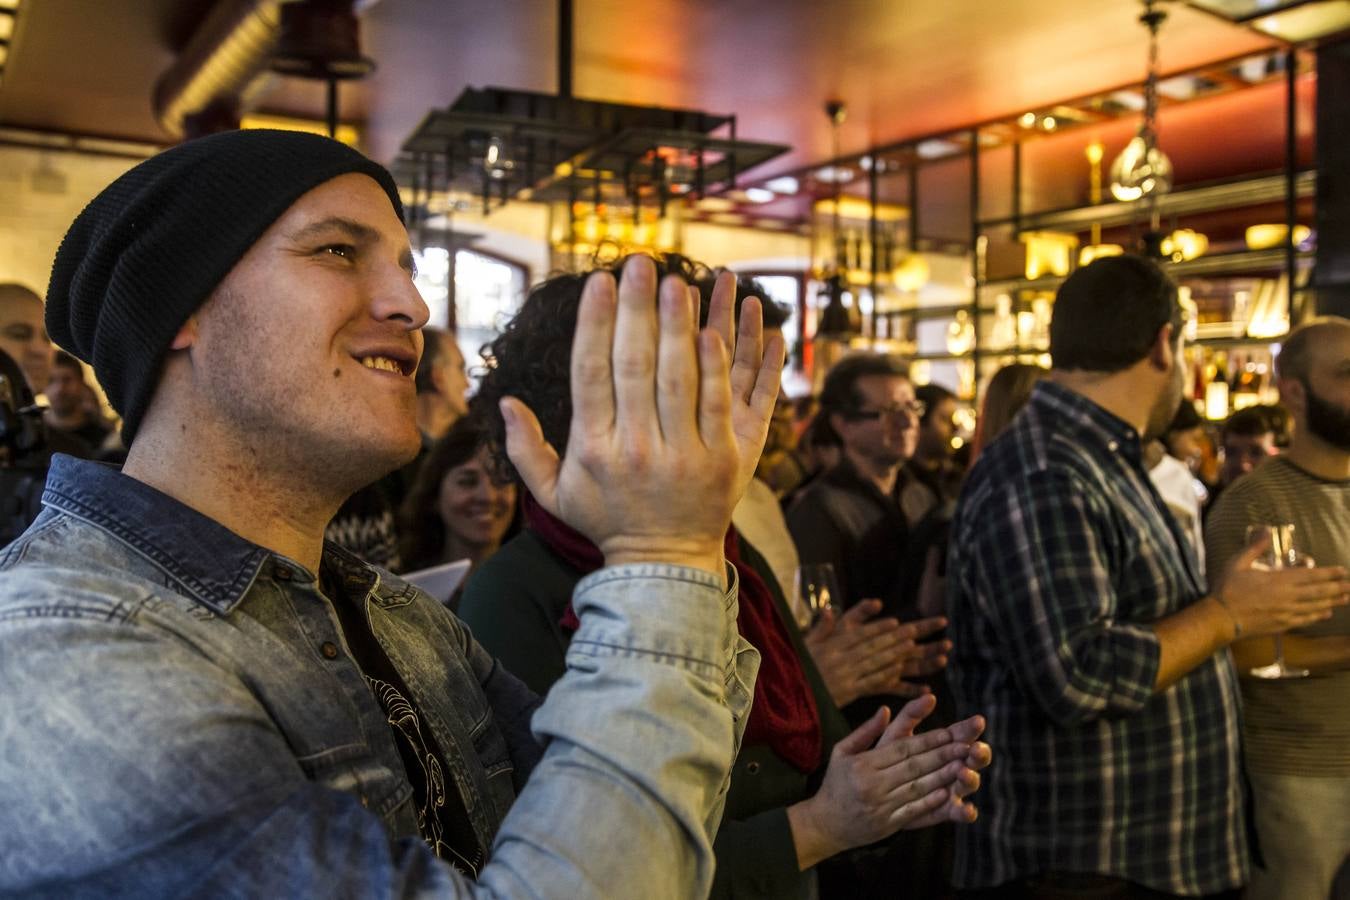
1246	388
1216	389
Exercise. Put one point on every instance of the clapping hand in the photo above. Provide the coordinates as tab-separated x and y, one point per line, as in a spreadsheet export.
881	779
861	655
667	421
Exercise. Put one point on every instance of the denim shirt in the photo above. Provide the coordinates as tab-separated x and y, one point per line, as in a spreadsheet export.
179	714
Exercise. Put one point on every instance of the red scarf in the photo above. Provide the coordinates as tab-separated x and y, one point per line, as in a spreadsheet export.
784	714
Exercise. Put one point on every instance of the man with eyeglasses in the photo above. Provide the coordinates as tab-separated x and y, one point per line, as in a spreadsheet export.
851	516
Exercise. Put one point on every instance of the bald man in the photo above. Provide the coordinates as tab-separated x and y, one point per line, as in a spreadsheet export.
23	335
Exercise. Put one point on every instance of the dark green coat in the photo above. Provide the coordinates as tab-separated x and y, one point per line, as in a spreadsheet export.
514	603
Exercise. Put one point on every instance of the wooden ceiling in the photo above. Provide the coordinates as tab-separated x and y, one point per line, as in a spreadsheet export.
904	67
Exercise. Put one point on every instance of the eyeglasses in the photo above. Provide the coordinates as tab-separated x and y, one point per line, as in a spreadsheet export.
915	408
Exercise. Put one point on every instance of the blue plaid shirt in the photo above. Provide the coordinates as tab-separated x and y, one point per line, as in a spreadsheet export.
1062	555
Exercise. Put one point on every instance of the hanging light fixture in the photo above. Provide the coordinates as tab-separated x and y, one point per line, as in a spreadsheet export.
1142	170
836	321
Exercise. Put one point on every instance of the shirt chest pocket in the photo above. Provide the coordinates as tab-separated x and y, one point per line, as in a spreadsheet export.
352	768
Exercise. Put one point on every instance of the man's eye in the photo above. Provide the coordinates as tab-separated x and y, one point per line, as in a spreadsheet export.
346	251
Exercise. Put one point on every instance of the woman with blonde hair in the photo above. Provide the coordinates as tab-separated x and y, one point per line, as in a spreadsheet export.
1008	391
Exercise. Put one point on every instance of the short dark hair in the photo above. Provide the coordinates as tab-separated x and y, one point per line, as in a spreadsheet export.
775	314
931	396
531	359
1254	421
1187	417
65	360
820	433
1108	313
839	394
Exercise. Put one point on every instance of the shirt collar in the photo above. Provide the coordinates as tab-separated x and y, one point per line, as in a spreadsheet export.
1075	413
202	558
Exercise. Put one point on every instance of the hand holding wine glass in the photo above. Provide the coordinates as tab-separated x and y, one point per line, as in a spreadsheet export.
1271	588
1278	552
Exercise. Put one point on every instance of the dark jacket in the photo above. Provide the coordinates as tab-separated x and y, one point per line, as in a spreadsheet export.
514	603
842	519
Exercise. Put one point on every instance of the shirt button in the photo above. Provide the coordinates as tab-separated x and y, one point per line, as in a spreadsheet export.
329	650
282	573
1113	446
752	767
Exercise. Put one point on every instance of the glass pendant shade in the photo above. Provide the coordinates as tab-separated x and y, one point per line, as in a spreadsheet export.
1140	170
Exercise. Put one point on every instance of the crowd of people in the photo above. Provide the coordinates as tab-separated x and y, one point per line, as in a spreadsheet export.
219	681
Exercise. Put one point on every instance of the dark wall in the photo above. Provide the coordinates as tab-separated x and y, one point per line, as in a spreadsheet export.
1332	275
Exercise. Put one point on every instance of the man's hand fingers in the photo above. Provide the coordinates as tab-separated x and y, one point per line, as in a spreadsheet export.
909	717
967	731
722	309
768	378
714	399
677	365
1251	554
880	636
534	458
980	756
865	735
924	666
592	346
749	347
859	613
928	810
941	777
634	351
922	628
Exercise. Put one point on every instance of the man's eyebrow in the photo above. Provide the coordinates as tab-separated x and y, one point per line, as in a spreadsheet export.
354	231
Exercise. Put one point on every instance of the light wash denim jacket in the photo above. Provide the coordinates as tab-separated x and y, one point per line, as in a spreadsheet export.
179	715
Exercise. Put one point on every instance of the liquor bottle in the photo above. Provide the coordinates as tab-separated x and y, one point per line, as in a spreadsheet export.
1247	391
1216	388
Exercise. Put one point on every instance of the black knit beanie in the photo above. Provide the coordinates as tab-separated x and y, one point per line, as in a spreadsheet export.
149	250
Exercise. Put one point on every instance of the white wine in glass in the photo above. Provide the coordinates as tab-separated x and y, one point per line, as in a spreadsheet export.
1281	554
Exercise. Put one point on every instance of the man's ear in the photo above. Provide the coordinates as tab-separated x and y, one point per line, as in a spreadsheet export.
1163	353
1293	394
186	336
838	423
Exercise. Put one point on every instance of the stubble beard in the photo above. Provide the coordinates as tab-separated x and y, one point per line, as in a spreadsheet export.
1327	421
280	423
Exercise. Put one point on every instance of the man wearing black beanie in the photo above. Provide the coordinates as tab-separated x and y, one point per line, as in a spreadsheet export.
201	697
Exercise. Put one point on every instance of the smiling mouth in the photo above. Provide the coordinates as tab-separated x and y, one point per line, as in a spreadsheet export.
386	364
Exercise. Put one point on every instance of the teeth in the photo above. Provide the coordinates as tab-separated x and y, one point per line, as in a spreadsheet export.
383	363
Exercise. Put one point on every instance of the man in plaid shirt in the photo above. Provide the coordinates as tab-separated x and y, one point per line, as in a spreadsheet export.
1083	630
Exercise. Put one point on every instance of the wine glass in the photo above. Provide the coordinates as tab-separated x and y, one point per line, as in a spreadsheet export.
817	589
1280	554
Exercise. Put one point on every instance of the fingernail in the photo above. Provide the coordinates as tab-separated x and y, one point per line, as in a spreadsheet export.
508	414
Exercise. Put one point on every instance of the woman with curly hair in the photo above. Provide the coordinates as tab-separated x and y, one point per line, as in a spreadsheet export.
459	506
802	789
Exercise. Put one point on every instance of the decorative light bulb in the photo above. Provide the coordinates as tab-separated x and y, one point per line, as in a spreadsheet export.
497	161
1140	170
